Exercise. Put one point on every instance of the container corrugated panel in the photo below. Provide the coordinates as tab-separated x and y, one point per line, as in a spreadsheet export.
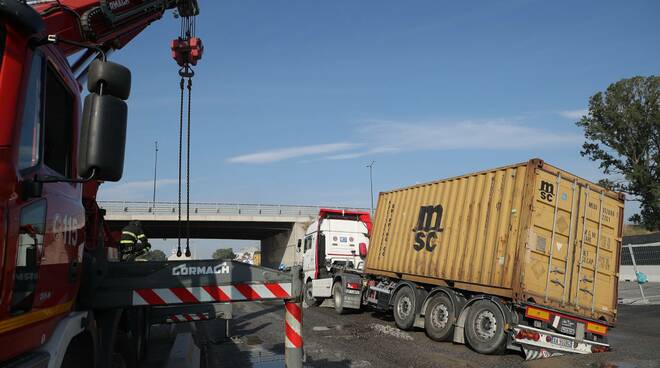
519	232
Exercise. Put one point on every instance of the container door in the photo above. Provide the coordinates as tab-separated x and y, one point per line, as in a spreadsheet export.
594	274
549	247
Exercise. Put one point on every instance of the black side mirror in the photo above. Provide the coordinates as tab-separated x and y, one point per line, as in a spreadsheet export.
299	244
31	189
104	121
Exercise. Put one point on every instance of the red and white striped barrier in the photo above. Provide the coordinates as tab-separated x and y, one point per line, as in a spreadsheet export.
187	317
229	293
293	325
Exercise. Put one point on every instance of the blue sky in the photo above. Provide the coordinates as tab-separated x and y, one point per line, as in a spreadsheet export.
293	98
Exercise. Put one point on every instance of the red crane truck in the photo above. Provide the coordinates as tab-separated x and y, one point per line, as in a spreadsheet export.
62	303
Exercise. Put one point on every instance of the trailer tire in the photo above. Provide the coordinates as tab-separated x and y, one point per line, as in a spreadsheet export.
308	298
405	308
439	318
484	328
338	297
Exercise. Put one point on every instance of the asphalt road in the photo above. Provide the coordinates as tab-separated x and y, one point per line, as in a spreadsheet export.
371	340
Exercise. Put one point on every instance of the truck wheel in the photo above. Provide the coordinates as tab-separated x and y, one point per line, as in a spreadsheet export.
439	318
309	299
484	328
404	308
128	349
338	297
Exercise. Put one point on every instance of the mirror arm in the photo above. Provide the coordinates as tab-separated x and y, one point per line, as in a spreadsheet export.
54	39
55	179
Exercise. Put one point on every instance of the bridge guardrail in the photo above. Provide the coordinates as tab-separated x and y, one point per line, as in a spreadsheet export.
205	208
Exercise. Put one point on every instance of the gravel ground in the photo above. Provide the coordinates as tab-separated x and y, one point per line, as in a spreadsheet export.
371	340
629	293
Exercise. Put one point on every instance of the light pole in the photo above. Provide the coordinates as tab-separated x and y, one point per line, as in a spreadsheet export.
155	168
371	185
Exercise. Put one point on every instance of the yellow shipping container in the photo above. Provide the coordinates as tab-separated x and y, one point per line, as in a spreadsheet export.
530	232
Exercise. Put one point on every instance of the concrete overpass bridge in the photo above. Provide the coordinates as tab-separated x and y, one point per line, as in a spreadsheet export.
278	227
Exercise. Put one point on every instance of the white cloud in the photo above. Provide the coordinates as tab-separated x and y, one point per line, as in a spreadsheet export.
350	155
291	152
573	114
462	135
131	190
378	137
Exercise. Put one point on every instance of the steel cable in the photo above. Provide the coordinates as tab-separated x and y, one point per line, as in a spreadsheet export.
188	171
178	251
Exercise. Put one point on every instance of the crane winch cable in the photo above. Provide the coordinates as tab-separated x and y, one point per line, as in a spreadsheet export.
186	50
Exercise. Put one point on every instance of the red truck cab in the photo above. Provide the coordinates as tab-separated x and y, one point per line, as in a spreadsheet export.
42	223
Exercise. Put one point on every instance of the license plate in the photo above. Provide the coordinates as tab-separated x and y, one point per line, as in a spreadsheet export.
562	342
343	239
567	326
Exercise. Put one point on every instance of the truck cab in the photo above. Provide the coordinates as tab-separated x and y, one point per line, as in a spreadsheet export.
335	245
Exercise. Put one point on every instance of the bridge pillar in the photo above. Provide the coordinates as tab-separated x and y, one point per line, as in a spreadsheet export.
281	248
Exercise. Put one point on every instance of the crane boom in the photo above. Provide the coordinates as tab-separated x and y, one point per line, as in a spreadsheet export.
110	24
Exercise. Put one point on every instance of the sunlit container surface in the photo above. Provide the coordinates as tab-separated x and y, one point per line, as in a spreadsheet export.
530	232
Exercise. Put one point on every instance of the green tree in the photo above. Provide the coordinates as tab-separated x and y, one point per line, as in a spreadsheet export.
154	255
622	131
224	253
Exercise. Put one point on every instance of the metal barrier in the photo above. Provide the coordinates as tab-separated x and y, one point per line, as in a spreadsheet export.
205	208
644	259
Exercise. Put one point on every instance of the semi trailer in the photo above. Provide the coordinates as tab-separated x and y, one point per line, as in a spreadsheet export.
522	257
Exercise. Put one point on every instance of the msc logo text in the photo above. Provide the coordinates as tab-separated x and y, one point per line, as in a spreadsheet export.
428	227
547	191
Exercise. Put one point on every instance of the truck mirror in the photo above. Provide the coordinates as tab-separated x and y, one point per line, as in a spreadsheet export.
108	78
363	250
102	137
31	189
299	244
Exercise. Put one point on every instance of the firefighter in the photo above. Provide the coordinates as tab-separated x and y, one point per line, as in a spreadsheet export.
130	235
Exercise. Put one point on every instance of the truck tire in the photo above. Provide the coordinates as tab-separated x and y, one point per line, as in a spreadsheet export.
439	318
484	328
404	308
338	297
127	347
308	298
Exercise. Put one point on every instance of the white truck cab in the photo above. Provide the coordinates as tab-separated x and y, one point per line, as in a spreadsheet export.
334	247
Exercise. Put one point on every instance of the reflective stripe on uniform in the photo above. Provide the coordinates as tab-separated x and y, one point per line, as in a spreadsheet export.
141	236
127	242
128	233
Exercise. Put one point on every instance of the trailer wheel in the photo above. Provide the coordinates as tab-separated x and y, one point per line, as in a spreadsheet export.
439	318
484	328
338	297
404	308
309	299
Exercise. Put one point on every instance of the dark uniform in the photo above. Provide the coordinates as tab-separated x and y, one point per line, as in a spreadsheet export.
130	235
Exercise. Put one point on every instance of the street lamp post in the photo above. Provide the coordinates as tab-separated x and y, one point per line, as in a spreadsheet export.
155	171
371	185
